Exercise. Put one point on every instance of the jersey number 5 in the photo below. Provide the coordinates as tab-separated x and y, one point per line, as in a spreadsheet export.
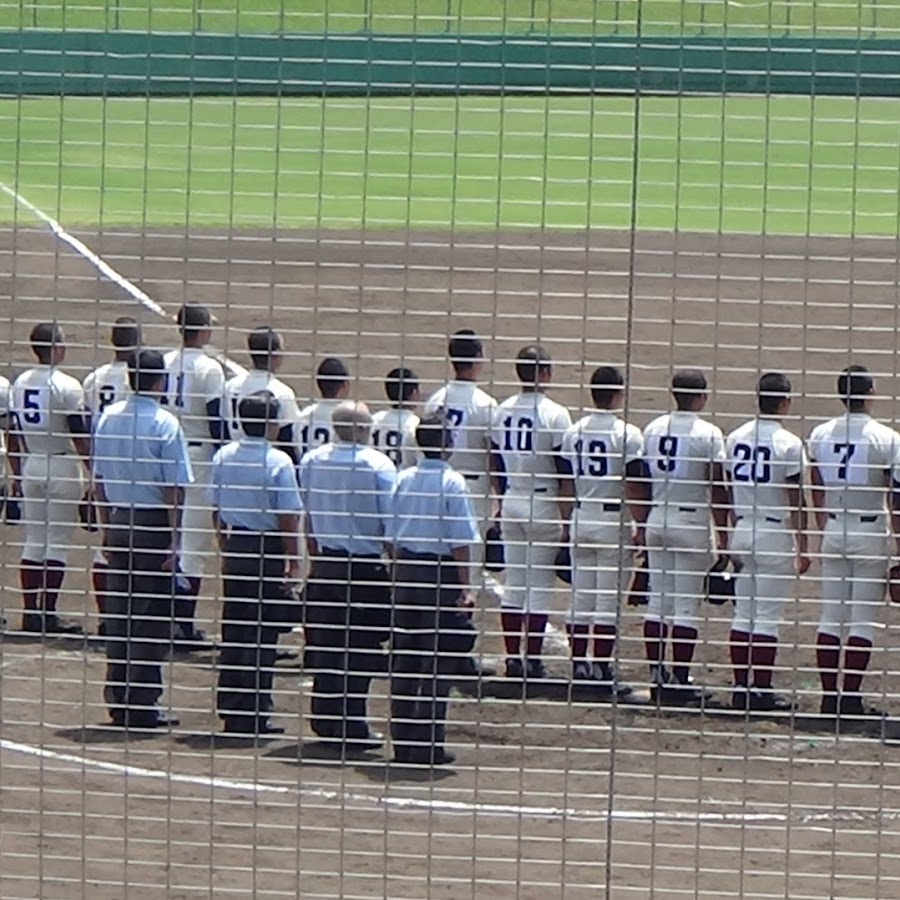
31	401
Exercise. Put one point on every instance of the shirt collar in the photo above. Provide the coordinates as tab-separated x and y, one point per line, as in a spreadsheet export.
433	464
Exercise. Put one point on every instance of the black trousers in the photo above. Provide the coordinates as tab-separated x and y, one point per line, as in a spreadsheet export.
140	596
348	614
253	582
431	633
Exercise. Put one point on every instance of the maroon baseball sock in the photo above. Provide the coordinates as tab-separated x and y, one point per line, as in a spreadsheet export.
655	634
763	648
857	654
604	642
511	623
30	578
54	573
739	648
98	580
684	640
828	659
578	640
535	624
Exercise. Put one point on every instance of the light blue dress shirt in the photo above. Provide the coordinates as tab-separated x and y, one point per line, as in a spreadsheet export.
139	450
252	483
347	492
433	510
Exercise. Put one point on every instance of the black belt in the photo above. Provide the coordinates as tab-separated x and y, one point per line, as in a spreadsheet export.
252	531
346	554
541	490
425	557
470	477
196	443
687	509
612	507
861	518
765	519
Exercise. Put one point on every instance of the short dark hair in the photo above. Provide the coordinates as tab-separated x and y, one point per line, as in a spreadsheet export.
145	368
263	343
400	384
434	435
854	384
191	318
606	382
464	348
774	388
531	361
256	411
687	384
125	334
331	376
45	337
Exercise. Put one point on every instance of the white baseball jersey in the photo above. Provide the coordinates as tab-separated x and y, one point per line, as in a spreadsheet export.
528	429
679	449
5	401
253	382
42	400
193	379
314	427
599	447
856	457
105	386
471	411
763	459
394	434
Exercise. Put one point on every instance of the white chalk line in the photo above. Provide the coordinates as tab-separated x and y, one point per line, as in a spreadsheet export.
454	807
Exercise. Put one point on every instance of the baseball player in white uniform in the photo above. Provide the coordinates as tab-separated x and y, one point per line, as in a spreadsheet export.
104	386
195	388
764	465
471	412
683	457
394	429
333	382
526	439
856	484
49	448
266	348
603	459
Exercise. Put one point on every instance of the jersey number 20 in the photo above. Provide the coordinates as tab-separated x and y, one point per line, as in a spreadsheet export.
752	464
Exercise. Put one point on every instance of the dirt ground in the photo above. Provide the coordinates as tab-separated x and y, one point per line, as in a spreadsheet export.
550	799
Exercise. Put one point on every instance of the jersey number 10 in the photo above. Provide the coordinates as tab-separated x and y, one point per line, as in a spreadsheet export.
520	437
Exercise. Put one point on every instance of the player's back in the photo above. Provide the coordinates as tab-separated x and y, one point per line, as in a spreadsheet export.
314	426
763	459
193	380
394	434
106	385
470	410
252	382
42	400
679	450
528	430
856	457
599	447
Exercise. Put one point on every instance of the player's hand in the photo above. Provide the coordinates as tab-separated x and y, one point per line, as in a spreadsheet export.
17	489
466	599
170	563
639	537
803	563
292	571
566	534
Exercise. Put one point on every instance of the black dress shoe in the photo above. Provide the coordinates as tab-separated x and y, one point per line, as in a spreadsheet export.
359	743
469	667
143	720
250	725
53	624
191	641
438	757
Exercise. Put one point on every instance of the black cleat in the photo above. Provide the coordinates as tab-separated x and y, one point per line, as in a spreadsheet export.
534	670
606	679
766	700
514	668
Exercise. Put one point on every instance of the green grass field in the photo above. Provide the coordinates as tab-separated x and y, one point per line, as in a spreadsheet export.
826	17
785	165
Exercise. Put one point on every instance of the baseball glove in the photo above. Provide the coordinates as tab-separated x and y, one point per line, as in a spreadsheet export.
563	564
494	555
639	591
894	583
720	584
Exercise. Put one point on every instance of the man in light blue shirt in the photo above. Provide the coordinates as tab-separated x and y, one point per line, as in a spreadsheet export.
347	489
433	529
141	467
256	514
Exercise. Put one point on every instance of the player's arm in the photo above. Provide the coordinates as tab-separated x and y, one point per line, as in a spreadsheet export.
15	450
497	470
101	500
565	472
286	441
721	505
80	433
799	520
173	503
639	496
289	526
818	497
215	391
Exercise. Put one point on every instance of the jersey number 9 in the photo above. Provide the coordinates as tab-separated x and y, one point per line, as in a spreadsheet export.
668	453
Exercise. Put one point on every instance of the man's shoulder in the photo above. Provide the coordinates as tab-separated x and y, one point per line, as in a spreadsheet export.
64	381
277	458
659	424
309	411
375	458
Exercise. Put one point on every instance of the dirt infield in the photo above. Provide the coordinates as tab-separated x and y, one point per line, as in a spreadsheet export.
550	799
